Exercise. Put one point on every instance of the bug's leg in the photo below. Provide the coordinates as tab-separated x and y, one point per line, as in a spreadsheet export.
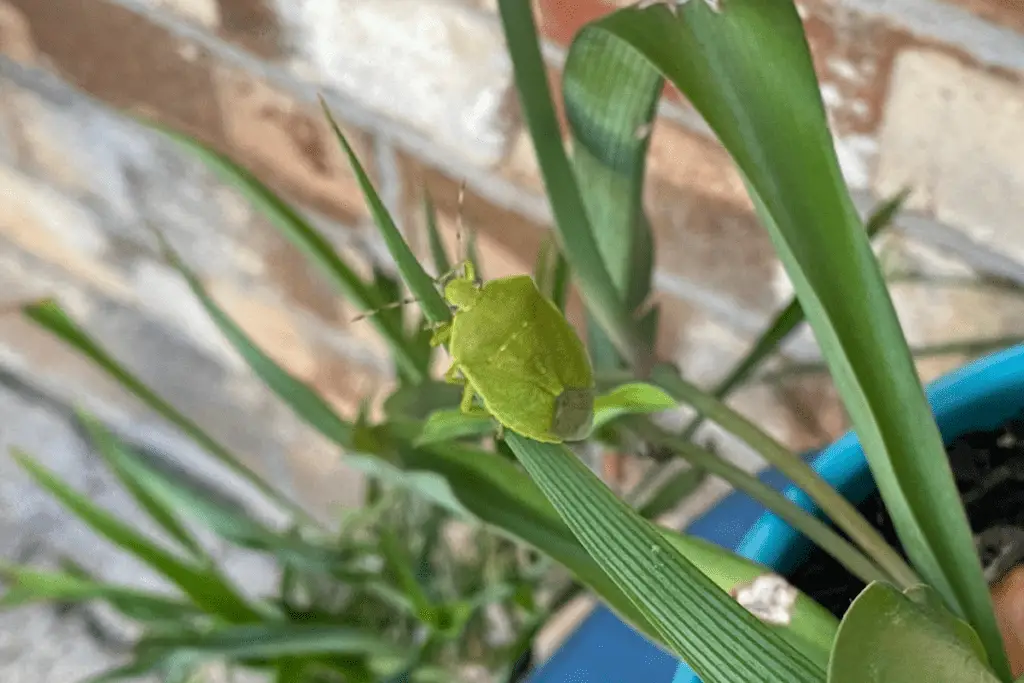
468	407
441	334
452	376
500	435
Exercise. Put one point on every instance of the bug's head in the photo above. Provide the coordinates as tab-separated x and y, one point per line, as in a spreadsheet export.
462	293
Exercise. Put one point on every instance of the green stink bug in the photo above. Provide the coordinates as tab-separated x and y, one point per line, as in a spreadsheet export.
513	349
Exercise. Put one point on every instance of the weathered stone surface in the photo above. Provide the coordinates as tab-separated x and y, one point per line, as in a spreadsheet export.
431	65
720	249
952	133
290	142
206	13
146	69
253	24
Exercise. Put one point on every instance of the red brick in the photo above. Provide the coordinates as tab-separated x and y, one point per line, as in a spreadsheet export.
290	144
560	20
121	58
717	246
1006	12
253	25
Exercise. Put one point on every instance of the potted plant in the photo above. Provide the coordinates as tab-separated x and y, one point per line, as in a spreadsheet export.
926	613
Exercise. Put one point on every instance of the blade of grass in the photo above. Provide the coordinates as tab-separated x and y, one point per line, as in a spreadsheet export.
842	512
577	237
305	402
781	327
306	238
500	494
420	284
204	586
441	263
111	452
820	533
789	318
748	71
276	640
48	315
720	640
676	488
27	585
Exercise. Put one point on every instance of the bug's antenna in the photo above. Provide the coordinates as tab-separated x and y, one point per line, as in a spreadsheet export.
386	307
459	219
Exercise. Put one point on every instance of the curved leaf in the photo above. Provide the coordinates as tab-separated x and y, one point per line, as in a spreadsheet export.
748	71
635	398
702	624
886	638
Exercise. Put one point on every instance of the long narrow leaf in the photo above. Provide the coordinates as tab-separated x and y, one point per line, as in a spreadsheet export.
720	640
51	317
843	513
173	495
421	284
789	318
110	450
501	495
27	586
305	237
748	71
816	530
577	237
204	586
441	263
305	402
276	640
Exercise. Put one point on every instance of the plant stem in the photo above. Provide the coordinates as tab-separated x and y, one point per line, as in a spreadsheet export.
819	532
799	472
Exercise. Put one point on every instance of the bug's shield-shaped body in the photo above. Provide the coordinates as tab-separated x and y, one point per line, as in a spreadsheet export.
524	361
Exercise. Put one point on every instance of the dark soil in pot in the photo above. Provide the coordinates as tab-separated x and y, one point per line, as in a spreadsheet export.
989	471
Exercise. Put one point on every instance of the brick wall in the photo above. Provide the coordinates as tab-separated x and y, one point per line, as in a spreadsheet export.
925	92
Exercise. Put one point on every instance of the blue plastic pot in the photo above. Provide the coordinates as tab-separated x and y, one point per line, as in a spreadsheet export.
979	396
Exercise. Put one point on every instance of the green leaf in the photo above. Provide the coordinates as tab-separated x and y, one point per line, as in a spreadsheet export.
419	401
275	640
204	586
806	523
400	563
678	486
176	497
845	515
471	482
305	402
886	638
720	640
926	598
748	71
441	263
450	425
300	233
26	586
636	398
421	284
115	457
578	241
790	317
51	317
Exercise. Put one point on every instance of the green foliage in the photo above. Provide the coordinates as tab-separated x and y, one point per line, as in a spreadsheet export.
390	597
